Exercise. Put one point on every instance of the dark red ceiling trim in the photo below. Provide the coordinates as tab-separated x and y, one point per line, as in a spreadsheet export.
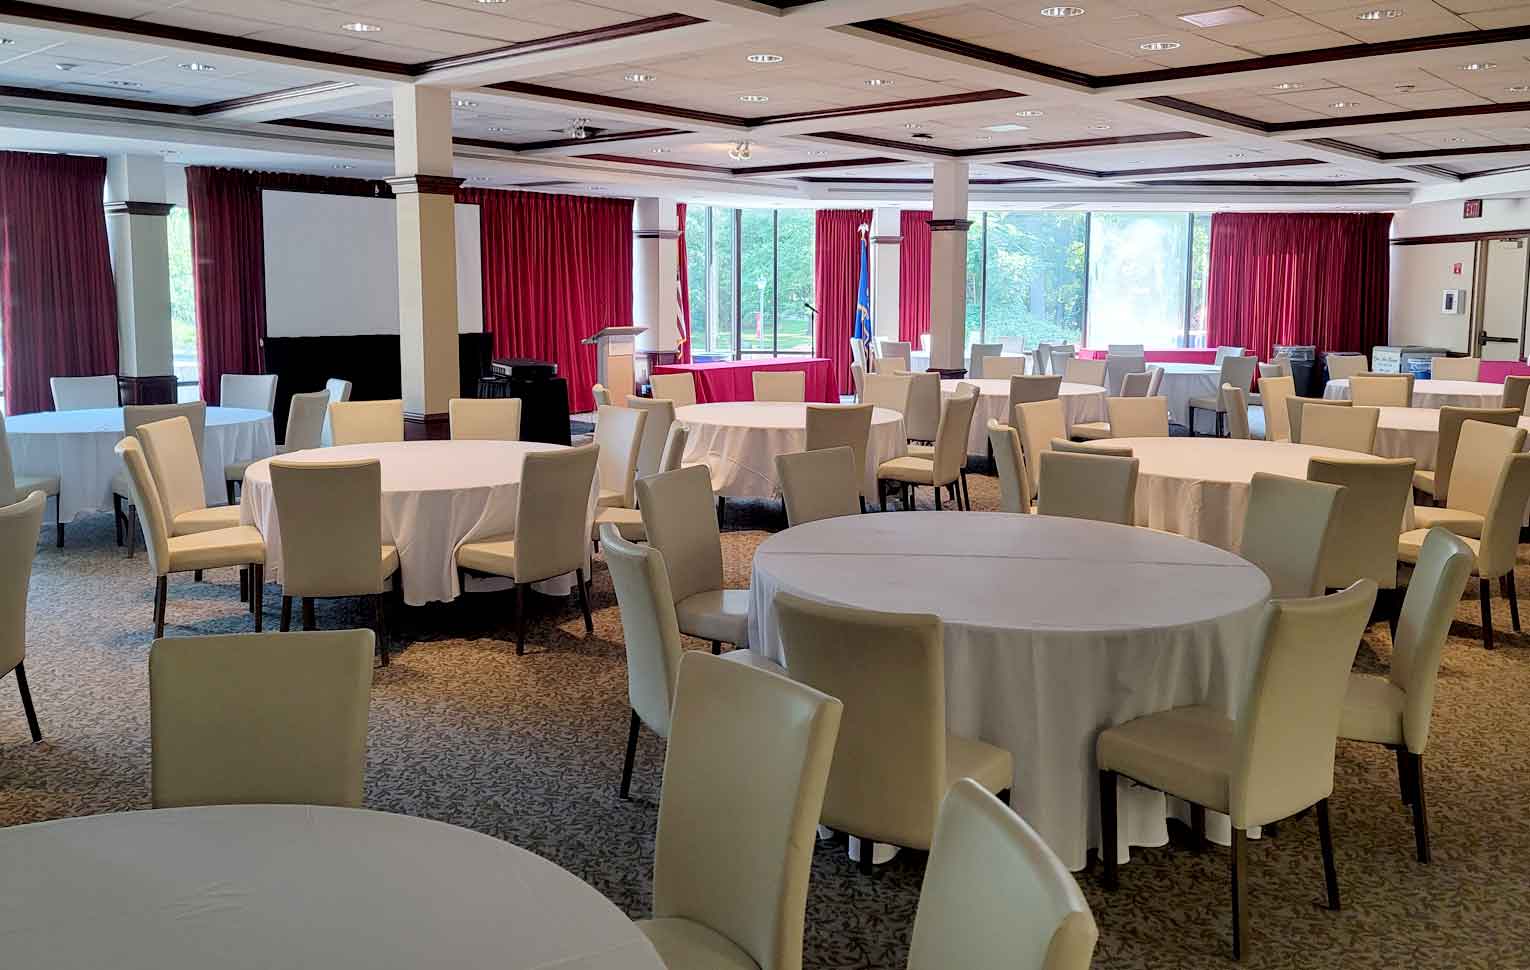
624	104
1460	237
94	100
789	167
1280	184
874	142
1421	114
1052	146
1435	170
924	38
661	163
1205	111
1217	167
912	104
270	97
600	139
1447	153
577	38
331	126
1055	169
849	180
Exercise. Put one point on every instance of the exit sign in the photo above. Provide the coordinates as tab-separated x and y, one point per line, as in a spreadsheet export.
1472	209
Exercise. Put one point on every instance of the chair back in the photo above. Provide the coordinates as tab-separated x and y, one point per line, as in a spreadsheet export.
1289	727
339	392
1238	371
601	395
552	512
744	779
1038	422
951	437
8	494
894	355
1042	356
366	422
891	391
307	415
922	419
1381	390
677	514
1266	371
858	353
978	354
1447	443
1434	592
1136	384
1341	367
680	388
841	425
673	455
858	381
650	628
1225	352
1155	381
888	669
172	456
1117	366
80	393
1014	483
484	419
19	523
1274	392
1294	405
661	416
256	392
1125	350
1515	388
619	433
1077	370
1364	540
1235	402
260	718
1287	530
785	385
1455	368
151	508
999	368
1100	446
1481	448
1350	428
1098	487
995	895
330	516
135	416
1025	388
1497	550
1138	417
1059	355
820	484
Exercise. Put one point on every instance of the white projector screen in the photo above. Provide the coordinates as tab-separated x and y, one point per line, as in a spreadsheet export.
332	266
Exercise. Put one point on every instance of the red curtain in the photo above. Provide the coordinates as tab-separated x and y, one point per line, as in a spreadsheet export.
1298	278
914	276
683	293
58	301
836	274
229	260
556	268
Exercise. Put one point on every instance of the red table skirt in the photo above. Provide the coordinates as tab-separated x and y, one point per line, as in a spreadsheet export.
1170	355
731	380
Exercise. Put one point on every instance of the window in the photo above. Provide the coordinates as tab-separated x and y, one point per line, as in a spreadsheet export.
1200	263
751	274
1034	269
183	306
1138	278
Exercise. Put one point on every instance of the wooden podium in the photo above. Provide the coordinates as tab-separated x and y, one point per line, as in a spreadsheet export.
614	351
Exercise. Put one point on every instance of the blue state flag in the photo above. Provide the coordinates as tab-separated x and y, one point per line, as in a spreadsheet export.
862	330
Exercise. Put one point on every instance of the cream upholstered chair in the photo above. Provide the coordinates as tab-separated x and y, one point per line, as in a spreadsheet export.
1235	407
366	422
1155	381
135	416
330	517
994	895
1225	352
847	425
1236	370
1381	390
14	488
240	546
1117	366
260	719
484	419
81	393
1341	367
1436	481
1025	388
680	388
19	522
661	416
257	392
786	385
858	353
1138	417
1041	358
1455	368
894	760
1137	384
1275	760
619	433
858	381
171	450
1497	549
1480	451
977	356
1350	428
922	419
947	465
1364	544
1090	448
819	484
1274	393
676	514
894	355
1098	487
307	417
629	521
1288	528
1078	370
744	780
1039	424
1294	405
1060	356
1003	368
339	392
551	538
1395	709
891	391
1516	388
1126	350
601	395
1014	482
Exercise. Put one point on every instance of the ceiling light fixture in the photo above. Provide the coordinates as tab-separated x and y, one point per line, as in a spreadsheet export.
637	78
65	66
579	129
1379	13
1479	66
878	82
1404	88
1341	105
497	129
985	138
1221	18
196	66
1517	88
912	125
754	98
1007	126
659	151
382	116
740	152
6	42
817	153
1160	45
1062	11
489	3
463	103
1288	86
1099	126
360	28
125	84
342	166
764	58
1033	113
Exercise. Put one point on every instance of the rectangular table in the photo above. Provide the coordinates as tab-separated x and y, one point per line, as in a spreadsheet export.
733	380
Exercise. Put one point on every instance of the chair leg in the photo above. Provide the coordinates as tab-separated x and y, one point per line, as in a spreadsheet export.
1404	775
716	647
1325	838
380	627
722	507
882	493
966	492
117	516
869	848
632	739
1511	590
196	575
132	528
936	490
229	484
161	592
1239	891
1191	419
26	701
1108	828
520	619
1198	828
584	601
244	585
1485	593
58	521
1420	811
308	620
257	595
286	623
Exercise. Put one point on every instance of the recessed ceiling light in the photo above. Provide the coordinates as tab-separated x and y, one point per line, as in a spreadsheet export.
65	66
923	136
197	66
1288	86
912	125
1479	66
382	116
1452	140
1237	155
488	3
343	166
1099	126
818	153
1404	88
1379	13
360	28
168	151
985	138
637	78
754	98
463	103
1007	126
878	82
6	42
1517	88
1221	18
659	151
497	129
1160	45
125	84
764	58
1344	104
1062	11
1033	113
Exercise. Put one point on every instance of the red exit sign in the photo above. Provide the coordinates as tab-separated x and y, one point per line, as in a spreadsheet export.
1472	209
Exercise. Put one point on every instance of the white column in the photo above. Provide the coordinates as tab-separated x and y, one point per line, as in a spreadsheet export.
424	190
886	254
948	266
136	210
655	265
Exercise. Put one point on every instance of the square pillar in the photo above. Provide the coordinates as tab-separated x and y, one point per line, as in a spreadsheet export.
886	257
136	214
948	266
655	272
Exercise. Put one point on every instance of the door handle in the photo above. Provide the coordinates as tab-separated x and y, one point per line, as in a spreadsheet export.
1485	339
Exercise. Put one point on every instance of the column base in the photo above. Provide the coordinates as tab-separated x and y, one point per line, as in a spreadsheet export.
427	427
147	390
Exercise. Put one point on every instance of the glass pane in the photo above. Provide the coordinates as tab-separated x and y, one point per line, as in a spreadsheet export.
757	285
794	280
1137	278
183	305
974	282
696	274
1035	277
723	305
1200	263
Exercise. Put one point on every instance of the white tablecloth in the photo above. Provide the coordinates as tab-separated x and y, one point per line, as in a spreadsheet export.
1413	433
78	447
1436	394
1082	403
1198	487
1181	382
258	887
739	442
919	361
1054	629
435	496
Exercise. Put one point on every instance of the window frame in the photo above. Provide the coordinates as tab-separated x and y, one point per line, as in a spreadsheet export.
736	249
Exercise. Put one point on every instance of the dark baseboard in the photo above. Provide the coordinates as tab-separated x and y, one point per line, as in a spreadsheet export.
426	427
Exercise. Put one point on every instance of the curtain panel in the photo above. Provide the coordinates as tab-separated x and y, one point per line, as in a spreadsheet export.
683	290
556	268
58	300
836	274
1298	278
914	276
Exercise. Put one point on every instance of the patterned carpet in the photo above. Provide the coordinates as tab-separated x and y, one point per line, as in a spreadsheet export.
529	749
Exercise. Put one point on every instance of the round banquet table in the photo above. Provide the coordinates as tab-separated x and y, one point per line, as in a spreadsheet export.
1054	629
1436	394
739	441
1082	403
436	495
262	886
1198	487
78	447
1413	433
1181	382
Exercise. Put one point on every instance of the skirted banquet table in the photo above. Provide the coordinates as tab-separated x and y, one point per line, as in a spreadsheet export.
241	887
1054	629
78	447
1436	394
1082	403
1183	381
739	443
733	380
1413	433
436	495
